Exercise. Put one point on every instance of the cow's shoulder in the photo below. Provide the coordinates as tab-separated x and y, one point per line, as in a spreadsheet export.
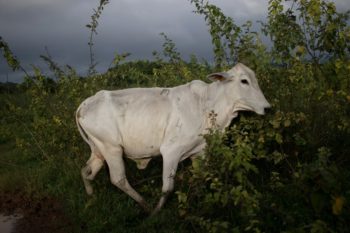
198	88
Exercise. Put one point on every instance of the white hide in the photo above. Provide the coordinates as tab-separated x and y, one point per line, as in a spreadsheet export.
141	123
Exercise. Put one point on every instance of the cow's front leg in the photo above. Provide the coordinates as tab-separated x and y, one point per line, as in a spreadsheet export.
170	163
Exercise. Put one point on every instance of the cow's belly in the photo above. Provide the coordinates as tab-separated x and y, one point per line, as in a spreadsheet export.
136	147
142	136
141	124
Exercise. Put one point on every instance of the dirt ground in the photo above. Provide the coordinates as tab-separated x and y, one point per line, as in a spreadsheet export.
39	214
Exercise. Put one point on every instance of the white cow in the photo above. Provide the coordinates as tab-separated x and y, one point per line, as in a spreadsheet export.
141	123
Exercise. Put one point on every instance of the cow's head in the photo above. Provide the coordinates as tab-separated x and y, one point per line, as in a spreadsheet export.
241	86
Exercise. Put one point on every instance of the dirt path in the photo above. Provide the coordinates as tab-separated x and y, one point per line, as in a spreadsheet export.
8	222
38	214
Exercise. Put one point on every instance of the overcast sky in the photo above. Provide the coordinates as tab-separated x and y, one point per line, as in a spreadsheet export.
125	26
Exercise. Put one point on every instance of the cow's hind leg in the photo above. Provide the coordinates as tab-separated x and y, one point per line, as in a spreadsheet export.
88	173
114	159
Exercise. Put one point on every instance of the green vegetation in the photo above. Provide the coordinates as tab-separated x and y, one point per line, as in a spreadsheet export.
287	171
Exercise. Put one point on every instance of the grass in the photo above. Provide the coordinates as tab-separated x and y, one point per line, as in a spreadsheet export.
13	168
108	210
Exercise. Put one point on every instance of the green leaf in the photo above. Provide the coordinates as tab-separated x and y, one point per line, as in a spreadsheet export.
279	138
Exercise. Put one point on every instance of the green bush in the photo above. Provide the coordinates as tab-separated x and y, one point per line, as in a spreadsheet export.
288	171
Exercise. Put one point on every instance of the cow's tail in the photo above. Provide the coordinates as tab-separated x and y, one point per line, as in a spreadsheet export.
81	130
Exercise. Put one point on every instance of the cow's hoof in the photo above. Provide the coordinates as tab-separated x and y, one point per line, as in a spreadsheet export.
89	190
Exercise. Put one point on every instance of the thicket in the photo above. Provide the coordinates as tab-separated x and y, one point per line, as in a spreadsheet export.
287	171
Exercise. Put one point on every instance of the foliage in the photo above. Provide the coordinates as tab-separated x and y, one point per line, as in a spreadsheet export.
54	67
93	26
282	173
170	50
311	28
287	171
231	43
8	55
11	59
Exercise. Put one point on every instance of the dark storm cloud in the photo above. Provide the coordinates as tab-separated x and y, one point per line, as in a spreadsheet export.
29	26
125	26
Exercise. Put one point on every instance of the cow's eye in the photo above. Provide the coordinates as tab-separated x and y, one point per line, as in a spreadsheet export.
245	81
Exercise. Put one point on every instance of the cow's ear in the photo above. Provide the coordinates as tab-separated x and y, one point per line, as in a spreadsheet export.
222	76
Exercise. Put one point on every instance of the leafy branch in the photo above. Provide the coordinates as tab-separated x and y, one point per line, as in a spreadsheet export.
54	67
93	26
170	50
11	59
224	32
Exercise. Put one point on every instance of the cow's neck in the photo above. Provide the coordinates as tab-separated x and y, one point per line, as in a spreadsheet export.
220	104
